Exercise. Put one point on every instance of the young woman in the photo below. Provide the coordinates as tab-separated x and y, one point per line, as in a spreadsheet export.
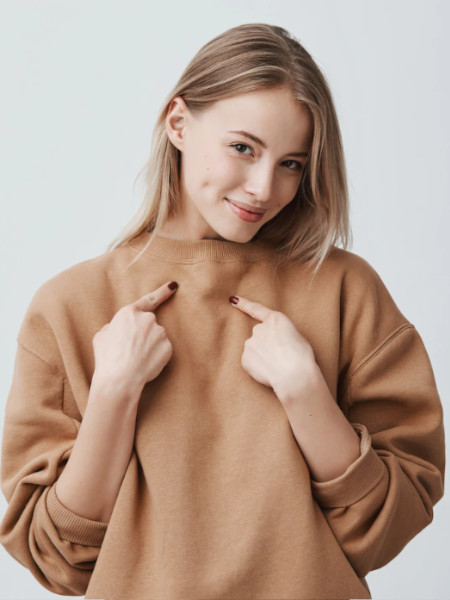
224	404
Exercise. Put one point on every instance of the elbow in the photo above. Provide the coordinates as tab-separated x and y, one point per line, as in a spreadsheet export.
67	584
58	565
55	575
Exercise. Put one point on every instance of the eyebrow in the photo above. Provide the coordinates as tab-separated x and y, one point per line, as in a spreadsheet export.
253	137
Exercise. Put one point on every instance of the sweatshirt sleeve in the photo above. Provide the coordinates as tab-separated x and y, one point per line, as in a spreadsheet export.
387	495
58	546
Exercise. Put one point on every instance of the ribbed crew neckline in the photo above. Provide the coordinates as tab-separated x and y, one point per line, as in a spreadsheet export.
204	249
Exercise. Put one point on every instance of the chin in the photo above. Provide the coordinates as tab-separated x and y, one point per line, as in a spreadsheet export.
238	236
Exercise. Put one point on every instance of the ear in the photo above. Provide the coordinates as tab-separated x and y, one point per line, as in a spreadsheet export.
176	119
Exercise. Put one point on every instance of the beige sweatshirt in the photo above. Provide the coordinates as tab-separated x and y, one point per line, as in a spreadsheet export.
217	501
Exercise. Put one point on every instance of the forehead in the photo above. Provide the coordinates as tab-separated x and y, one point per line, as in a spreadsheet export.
273	114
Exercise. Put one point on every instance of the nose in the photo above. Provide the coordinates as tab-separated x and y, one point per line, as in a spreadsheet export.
260	181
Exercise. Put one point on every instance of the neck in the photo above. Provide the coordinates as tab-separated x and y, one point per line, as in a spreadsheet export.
181	250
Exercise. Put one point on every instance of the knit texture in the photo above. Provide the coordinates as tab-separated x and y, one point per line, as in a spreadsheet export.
217	501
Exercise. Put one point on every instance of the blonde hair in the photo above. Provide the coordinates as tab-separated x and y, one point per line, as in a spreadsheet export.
250	57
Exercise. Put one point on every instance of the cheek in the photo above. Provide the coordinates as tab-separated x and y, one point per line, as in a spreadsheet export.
288	192
218	171
282	202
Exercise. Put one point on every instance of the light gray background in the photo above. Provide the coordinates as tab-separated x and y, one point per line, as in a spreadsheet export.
82	83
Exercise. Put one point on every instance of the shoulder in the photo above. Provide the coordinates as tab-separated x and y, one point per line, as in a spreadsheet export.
67	297
72	283
359	281
349	264
369	314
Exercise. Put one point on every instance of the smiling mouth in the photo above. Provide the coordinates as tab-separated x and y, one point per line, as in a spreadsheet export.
241	207
244	215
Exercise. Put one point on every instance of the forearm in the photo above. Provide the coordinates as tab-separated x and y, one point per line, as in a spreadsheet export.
91	479
327	440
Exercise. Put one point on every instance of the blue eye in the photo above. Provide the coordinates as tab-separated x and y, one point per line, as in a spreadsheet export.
298	166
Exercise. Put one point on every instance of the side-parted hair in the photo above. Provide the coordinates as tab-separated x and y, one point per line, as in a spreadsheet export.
246	58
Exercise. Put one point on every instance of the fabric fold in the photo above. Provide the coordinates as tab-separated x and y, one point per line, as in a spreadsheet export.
73	527
357	481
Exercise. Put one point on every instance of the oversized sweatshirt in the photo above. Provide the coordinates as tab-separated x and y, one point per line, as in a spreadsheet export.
217	501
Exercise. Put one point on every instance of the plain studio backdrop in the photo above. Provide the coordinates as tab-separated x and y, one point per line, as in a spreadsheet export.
82	83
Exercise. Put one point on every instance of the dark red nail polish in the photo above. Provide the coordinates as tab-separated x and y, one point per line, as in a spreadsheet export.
233	299
173	285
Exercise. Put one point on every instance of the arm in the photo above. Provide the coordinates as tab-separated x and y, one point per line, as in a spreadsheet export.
59	538
327	440
97	466
379	496
61	473
386	496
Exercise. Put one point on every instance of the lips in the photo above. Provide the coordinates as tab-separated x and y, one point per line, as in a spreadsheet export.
247	207
245	215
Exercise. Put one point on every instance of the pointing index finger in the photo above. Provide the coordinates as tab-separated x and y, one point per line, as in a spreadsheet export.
150	301
254	309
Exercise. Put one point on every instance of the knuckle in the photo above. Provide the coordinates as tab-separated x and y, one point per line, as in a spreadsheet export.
97	333
146	315
128	308
151	317
161	332
169	348
276	316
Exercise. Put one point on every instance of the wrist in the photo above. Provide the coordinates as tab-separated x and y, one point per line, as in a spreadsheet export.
306	382
107	389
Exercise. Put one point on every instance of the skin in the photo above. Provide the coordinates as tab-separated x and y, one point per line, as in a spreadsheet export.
212	169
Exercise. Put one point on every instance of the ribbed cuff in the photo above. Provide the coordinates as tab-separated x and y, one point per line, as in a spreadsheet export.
73	527
357	481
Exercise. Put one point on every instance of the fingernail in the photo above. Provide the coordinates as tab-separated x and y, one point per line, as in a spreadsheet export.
233	299
173	285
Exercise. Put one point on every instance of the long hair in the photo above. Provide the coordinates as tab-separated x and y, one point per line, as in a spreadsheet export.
250	57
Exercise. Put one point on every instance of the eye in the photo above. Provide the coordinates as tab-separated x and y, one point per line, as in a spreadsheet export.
297	166
241	145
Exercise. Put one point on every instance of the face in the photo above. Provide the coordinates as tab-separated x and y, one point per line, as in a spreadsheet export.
247	151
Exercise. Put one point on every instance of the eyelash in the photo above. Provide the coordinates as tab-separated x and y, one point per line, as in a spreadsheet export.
299	167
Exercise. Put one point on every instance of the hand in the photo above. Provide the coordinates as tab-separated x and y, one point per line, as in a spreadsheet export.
133	348
276	354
